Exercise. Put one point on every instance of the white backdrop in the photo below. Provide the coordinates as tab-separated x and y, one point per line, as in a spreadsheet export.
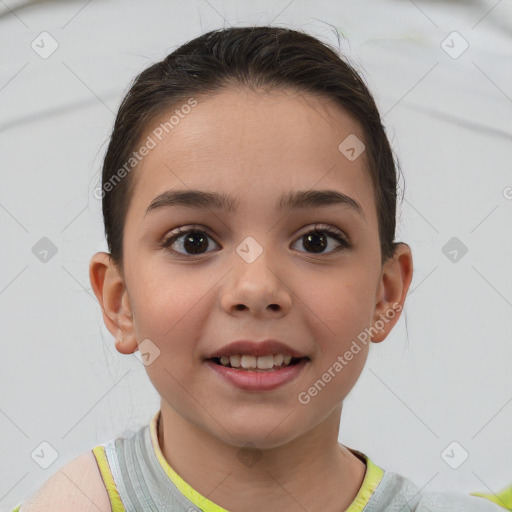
444	373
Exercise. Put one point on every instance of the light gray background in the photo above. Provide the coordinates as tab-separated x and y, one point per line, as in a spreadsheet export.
447	377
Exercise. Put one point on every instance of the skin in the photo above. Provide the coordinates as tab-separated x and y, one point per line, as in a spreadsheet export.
255	146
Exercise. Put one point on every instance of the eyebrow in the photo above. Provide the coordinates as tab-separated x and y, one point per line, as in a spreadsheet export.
288	201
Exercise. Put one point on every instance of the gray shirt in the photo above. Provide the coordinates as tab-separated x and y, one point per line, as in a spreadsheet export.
138	478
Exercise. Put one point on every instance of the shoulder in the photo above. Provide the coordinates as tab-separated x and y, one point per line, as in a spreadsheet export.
459	502
77	486
401	493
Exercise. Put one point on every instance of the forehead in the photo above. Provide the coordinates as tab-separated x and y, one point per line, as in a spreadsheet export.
254	145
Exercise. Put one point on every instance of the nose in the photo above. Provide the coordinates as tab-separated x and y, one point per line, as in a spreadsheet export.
259	287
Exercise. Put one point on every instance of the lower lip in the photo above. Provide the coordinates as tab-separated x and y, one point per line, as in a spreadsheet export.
258	381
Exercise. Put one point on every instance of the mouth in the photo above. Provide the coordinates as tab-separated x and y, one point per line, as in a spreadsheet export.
258	364
245	372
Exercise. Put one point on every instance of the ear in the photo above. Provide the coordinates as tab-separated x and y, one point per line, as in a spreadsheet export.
395	279
109	287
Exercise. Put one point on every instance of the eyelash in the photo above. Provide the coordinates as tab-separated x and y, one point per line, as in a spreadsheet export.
318	228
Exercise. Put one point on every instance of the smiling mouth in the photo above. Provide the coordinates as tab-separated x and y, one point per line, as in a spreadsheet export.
250	363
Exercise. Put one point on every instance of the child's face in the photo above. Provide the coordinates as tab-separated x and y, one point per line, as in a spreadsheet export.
253	147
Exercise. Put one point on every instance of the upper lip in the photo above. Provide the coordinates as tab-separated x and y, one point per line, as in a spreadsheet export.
255	348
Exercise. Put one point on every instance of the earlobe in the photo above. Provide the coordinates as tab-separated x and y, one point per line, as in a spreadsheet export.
110	290
394	284
124	344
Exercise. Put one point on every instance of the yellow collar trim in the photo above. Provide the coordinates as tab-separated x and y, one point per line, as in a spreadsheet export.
188	491
371	480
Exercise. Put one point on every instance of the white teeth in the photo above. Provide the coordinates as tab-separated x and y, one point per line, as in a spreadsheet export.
265	362
278	360
234	361
252	362
248	361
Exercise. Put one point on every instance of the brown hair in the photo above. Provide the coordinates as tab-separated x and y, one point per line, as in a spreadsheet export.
271	57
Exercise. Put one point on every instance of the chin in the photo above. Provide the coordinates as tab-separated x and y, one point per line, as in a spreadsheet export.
265	434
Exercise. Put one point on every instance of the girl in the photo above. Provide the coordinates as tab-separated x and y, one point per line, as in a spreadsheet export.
249	198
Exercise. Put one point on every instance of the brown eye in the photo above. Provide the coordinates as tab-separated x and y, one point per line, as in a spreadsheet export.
317	240
191	241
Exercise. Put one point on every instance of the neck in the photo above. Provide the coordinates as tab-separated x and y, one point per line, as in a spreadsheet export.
311	472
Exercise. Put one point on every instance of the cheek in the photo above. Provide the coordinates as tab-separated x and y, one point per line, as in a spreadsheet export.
168	309
339	306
